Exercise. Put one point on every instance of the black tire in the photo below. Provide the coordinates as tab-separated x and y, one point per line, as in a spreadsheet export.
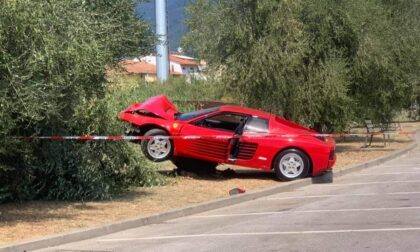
194	165
149	153
300	172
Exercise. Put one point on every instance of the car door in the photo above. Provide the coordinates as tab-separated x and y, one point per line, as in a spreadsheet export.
209	138
250	149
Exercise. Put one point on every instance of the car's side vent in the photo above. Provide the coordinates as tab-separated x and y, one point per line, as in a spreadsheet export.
209	148
247	150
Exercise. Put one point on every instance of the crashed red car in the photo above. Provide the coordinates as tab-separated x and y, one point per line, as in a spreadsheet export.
229	134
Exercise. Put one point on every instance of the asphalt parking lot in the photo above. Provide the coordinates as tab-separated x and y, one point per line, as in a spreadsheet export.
377	209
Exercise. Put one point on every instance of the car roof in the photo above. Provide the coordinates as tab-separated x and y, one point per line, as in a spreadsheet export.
243	110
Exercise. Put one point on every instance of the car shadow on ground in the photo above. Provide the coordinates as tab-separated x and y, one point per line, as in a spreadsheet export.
223	173
243	174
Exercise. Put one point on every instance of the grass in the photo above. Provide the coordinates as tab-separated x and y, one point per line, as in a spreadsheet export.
22	221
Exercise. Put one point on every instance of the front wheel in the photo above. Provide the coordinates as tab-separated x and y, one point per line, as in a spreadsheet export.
291	164
157	149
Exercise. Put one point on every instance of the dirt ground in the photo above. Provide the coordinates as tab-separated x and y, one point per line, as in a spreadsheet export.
22	221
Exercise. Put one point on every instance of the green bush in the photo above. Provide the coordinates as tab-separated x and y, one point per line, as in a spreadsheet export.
53	60
98	170
272	60
323	63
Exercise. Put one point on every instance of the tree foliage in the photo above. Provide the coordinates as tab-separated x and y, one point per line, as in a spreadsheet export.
322	63
53	58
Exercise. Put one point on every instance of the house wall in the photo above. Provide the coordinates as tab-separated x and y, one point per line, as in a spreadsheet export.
175	67
189	70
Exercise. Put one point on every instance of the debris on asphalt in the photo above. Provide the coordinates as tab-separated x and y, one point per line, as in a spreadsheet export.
236	190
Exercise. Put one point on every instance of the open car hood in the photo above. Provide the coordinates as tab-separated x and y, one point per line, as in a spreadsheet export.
159	106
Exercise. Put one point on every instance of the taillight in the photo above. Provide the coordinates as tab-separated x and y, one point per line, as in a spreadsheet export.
332	154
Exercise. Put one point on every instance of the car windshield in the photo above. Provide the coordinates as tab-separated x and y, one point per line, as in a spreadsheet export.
192	115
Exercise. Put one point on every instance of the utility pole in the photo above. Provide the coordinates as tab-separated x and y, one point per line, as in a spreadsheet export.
162	56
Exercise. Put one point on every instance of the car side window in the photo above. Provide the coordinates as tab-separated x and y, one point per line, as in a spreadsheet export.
224	121
256	125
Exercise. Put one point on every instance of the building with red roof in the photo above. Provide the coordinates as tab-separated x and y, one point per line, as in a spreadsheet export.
145	70
179	65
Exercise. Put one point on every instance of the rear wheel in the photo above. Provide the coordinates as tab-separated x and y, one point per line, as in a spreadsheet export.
157	149
194	165
291	164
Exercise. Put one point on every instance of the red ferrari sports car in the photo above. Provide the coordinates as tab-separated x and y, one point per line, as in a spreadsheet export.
228	134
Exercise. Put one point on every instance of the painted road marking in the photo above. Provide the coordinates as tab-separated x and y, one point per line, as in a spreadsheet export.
263	234
340	195
385	173
309	211
371	183
396	166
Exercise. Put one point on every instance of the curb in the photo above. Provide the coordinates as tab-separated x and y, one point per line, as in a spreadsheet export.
88	233
84	234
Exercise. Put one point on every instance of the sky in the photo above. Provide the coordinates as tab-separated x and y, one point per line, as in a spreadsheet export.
176	17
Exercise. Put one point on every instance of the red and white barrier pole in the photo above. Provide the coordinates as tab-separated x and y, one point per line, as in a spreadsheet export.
191	137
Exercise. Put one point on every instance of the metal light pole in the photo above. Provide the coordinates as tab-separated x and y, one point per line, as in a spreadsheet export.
162	56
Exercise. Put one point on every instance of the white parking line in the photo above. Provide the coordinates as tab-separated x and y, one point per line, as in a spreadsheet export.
263	234
308	211
396	166
340	195
384	173
370	183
